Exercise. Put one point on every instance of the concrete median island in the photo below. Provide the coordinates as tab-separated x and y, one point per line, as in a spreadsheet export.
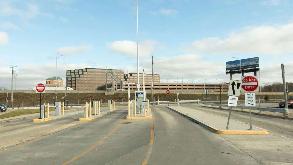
217	123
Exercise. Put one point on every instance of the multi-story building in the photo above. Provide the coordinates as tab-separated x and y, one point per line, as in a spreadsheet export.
132	78
110	80
92	79
54	82
183	87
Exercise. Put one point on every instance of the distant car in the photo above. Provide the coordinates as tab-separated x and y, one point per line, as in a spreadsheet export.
290	103
3	107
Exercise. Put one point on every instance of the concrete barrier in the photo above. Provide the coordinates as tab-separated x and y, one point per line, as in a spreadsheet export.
86	113
45	107
132	113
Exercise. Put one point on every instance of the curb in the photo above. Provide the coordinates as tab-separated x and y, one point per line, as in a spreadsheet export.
140	118
223	132
37	120
254	113
83	119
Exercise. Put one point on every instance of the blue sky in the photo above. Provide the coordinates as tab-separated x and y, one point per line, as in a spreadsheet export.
190	39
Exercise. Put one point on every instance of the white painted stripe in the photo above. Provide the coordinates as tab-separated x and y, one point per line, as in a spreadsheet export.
250	83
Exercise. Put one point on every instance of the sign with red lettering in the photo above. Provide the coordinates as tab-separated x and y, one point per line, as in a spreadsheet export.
40	87
249	83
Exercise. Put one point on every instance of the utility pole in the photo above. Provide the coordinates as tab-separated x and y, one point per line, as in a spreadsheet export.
56	73
153	80
221	86
285	91
182	85
12	85
56	78
137	56
143	85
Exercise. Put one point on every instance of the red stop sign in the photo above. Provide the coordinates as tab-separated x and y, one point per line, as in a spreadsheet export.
249	83
40	87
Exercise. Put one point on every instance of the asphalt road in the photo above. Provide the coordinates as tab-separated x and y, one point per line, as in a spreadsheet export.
168	138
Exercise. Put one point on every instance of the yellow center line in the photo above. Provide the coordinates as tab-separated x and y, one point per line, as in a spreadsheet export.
152	140
93	146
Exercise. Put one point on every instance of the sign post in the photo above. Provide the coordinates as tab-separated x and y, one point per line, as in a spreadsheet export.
40	88
233	93
249	85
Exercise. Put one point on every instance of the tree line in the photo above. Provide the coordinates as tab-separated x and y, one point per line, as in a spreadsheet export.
277	87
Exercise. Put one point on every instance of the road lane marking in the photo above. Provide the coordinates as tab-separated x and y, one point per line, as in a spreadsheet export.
152	140
93	146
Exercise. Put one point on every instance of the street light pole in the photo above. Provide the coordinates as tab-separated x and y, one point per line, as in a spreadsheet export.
285	91
12	85
56	78
56	75
137	56
153	80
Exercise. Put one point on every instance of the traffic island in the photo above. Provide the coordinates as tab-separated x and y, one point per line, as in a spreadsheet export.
217	123
139	117
41	120
83	119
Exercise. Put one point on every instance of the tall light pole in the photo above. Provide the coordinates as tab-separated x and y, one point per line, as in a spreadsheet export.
137	56
56	74
153	80
285	91
12	85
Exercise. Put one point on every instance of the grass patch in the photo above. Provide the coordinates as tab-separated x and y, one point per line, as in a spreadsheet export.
19	112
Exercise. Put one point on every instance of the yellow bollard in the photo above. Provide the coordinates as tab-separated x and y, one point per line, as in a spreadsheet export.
99	107
86	110
48	110
134	108
95	107
110	104
90	109
62	107
148	108
128	108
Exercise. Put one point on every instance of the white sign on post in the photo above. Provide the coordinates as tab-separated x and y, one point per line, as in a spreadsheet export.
234	88
232	101
250	100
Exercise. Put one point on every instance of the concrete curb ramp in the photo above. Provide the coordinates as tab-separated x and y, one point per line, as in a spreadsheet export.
41	120
139	117
85	119
224	132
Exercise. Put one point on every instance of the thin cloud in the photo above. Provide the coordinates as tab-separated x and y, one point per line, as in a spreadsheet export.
272	2
9	26
272	40
3	38
128	48
27	12
72	50
167	12
189	66
28	75
164	12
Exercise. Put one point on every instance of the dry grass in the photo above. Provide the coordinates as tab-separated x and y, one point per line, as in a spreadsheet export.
19	112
